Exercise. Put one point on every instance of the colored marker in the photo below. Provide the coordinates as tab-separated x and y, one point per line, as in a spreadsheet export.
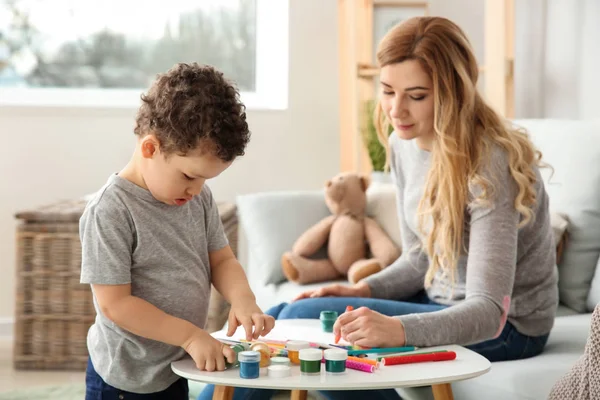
278	352
339	335
281	343
360	366
340	346
422	352
273	343
364	361
379	350
416	358
229	341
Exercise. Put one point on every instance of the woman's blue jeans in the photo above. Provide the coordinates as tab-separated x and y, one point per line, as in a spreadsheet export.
510	345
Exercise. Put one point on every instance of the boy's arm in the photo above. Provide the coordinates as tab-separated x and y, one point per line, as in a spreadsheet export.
229	277
142	318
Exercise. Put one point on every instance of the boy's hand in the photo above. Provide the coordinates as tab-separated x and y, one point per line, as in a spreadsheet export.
207	352
247	313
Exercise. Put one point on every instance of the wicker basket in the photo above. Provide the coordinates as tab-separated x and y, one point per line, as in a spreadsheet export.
53	310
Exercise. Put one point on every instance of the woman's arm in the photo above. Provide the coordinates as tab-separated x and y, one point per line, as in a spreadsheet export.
403	279
490	274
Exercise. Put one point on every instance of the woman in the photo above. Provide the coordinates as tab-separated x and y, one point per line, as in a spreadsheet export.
478	261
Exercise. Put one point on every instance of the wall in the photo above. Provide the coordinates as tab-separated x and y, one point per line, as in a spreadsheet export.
557	59
467	14
52	154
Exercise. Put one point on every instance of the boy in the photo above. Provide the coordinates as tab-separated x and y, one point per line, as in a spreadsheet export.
152	242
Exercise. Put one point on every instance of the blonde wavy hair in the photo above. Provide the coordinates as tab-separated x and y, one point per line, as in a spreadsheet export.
465	130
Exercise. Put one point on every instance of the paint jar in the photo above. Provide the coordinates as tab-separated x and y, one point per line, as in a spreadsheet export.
310	361
249	364
293	347
327	320
237	348
335	360
265	353
280	361
279	371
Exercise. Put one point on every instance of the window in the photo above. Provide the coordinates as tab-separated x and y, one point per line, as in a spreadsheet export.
104	53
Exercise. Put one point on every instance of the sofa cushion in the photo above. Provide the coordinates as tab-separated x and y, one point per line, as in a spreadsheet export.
572	148
272	221
594	296
381	206
560	225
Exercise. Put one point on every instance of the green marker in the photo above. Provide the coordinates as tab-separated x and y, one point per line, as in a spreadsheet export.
382	350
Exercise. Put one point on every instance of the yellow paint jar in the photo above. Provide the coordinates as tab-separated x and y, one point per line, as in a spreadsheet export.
293	348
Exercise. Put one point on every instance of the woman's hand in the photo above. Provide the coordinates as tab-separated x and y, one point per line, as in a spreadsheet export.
367	328
360	289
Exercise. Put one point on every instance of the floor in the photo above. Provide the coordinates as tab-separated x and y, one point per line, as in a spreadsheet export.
11	379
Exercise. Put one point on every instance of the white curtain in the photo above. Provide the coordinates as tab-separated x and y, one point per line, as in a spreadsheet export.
557	59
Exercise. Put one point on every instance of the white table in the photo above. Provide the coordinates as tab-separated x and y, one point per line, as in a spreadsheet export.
439	375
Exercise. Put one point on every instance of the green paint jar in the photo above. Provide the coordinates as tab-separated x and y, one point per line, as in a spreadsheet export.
310	361
335	360
327	320
238	348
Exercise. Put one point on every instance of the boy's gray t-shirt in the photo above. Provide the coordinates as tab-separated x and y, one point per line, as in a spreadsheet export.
129	237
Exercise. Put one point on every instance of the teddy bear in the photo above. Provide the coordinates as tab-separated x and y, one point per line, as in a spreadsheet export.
356	245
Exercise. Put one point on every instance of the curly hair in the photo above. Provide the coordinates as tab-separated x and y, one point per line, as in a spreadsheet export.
192	105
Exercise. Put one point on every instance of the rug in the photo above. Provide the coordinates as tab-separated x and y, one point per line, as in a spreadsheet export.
62	392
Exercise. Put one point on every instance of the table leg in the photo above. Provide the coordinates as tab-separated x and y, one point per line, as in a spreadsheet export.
442	391
299	394
223	393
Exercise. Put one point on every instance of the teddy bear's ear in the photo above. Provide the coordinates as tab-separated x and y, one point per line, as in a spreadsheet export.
364	182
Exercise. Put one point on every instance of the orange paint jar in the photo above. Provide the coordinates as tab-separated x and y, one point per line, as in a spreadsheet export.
293	348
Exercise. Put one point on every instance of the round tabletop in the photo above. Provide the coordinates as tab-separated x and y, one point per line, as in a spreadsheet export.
467	364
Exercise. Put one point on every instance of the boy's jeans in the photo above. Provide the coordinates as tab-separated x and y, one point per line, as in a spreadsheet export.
97	389
510	345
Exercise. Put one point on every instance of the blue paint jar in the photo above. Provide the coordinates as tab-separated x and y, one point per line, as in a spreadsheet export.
249	364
